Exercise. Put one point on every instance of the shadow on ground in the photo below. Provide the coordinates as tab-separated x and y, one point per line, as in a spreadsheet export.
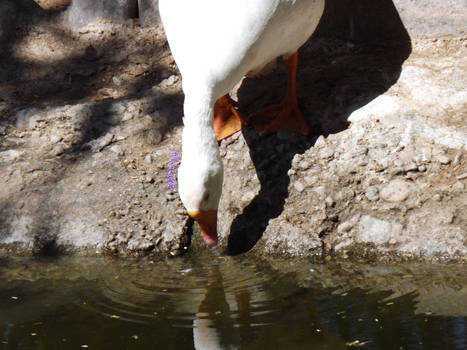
28	84
355	55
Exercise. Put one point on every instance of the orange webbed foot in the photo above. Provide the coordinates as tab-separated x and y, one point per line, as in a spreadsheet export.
286	115
227	120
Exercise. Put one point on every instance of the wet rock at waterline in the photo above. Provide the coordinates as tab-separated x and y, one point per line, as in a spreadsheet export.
89	121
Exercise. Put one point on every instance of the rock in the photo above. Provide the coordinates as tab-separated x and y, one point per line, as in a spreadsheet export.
349	192
10	155
344	227
329	201
372	193
117	150
373	230
299	186
320	141
154	136
396	191
170	81
304	165
148	159
362	150
444	160
310	180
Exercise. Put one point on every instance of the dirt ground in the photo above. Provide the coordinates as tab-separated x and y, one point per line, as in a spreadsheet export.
89	120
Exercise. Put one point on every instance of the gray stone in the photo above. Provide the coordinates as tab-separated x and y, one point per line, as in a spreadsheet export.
373	230
372	193
444	160
304	165
396	191
299	186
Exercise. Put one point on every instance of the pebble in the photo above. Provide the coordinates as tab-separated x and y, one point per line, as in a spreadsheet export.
329	201
374	230
422	168
462	176
360	151
411	166
10	155
238	145
117	149
148	179
154	136
344	227
394	171
299	186
116	80
457	158
372	193
326	153
311	180
395	191
168	82
55	138
444	160
304	165
320	141
58	149
148	159
104	142
127	116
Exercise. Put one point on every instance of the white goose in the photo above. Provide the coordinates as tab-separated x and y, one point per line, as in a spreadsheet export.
215	43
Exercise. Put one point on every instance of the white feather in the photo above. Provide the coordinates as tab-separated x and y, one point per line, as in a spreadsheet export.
215	43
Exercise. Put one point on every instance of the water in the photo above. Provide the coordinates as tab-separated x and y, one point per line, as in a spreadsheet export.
205	301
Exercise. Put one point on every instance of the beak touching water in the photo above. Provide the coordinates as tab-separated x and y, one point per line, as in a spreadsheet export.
207	220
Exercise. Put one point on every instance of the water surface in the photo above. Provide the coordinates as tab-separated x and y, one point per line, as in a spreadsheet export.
206	301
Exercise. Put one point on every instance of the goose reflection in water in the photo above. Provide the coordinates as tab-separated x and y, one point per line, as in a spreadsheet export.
211	329
217	326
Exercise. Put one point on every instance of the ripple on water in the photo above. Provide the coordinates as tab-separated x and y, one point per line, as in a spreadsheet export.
186	290
245	303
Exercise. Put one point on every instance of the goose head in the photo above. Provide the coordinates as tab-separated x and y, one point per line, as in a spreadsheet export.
200	174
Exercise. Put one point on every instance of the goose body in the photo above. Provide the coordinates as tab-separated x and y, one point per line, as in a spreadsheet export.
215	43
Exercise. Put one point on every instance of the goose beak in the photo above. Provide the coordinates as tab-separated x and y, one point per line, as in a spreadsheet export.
207	220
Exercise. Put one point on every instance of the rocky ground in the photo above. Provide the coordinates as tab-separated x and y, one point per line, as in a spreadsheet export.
89	120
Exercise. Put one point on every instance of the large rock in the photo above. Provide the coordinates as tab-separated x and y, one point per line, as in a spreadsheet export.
89	121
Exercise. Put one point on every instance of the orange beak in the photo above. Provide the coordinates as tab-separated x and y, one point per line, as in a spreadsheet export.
207	220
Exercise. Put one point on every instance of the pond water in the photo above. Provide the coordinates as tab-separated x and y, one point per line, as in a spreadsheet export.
207	301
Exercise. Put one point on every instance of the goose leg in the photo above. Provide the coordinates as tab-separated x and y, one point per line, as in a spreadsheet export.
286	115
227	120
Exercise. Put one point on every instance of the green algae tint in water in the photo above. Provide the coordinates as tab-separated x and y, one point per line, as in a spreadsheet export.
212	302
